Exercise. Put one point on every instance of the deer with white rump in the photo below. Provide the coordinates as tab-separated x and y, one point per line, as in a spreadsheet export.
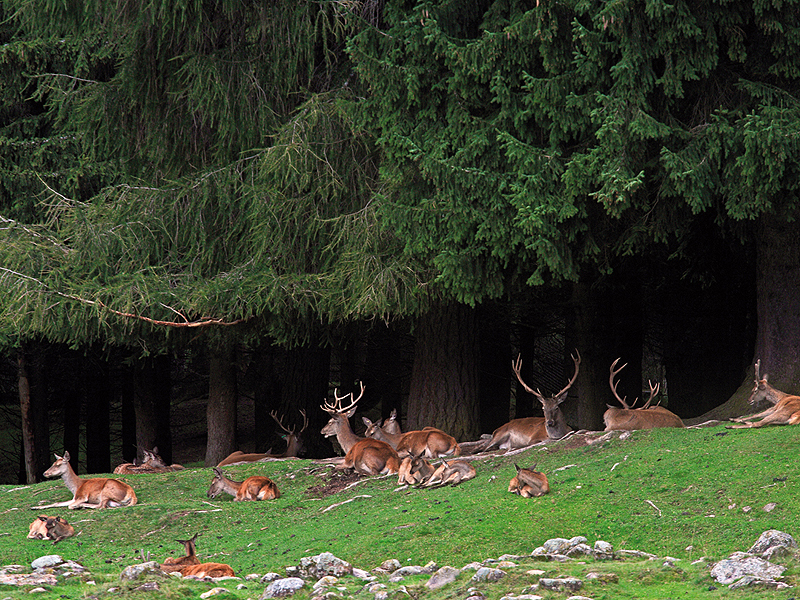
97	492
629	418
366	456
525	431
785	409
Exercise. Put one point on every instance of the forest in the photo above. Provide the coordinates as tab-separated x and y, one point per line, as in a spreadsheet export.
215	209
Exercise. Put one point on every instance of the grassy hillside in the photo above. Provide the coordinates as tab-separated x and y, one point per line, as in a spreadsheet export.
679	493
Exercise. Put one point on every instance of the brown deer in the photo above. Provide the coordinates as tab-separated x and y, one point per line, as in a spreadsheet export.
366	456
294	444
256	487
152	463
529	483
51	528
629	418
212	569
430	442
451	473
390	424
525	431
785	409
97	492
414	470
171	564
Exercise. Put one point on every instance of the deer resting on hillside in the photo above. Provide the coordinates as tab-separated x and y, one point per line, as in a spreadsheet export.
50	528
152	463
256	487
529	483
365	456
785	409
525	431
97	492
430	442
294	444
629	418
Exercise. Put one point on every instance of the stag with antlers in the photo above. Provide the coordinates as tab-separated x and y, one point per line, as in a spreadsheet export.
366	456
629	418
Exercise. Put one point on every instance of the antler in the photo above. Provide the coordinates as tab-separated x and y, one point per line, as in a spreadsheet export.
517	365
614	385
653	393
336	408
305	421
279	421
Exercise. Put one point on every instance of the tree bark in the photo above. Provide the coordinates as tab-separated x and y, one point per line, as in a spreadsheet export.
98	391
777	343
266	397
151	399
444	378
222	399
495	368
33	408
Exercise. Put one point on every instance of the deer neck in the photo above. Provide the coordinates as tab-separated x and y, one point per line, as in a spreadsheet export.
229	486
71	479
345	436
390	438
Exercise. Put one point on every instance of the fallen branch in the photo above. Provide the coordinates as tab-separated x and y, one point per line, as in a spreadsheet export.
345	502
654	506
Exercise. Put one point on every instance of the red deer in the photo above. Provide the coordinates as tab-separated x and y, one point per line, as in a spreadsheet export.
390	424
152	463
256	487
51	528
785	409
190	558
629	418
529	483
364	455
294	444
414	470
430	442
208	570
525	431
451	472
98	492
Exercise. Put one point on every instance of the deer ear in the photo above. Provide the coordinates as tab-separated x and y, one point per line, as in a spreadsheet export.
366	421
66	455
351	412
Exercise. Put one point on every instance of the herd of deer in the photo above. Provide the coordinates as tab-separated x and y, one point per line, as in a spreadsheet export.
386	450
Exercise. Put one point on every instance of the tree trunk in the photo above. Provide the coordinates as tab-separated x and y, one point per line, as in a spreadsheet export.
606	325
127	399
98	408
222	398
151	399
33	407
266	397
444	379
304	385
778	315
495	368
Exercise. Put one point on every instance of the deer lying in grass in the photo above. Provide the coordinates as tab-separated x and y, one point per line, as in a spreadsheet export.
629	418
50	528
294	444
414	470
365	456
390	424
785	409
430	442
529	483
152	463
256	487
171	564
190	566
451	473
525	431
98	492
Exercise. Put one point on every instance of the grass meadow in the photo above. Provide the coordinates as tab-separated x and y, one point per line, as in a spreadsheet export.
690	494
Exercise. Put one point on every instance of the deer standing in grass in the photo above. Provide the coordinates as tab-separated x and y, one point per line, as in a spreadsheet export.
430	442
785	409
529	483
525	431
629	418
366	456
256	487
97	492
294	443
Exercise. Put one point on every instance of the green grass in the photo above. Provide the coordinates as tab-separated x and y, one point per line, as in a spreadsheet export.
678	493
